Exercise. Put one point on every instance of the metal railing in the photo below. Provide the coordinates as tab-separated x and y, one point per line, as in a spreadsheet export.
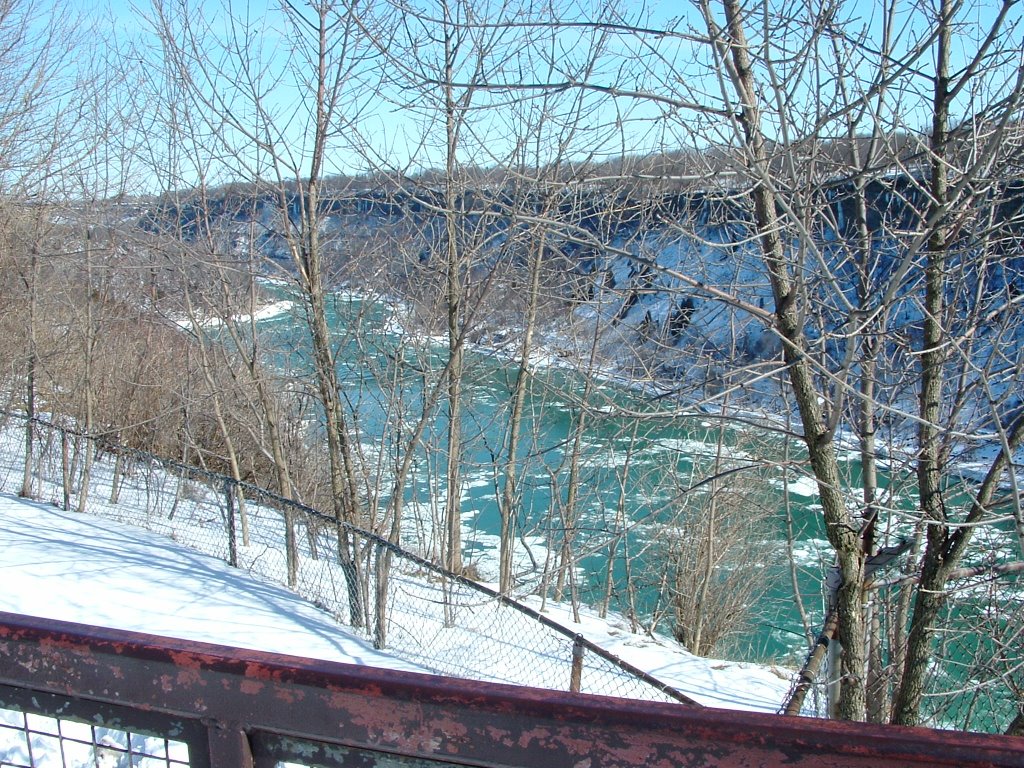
72	696
395	598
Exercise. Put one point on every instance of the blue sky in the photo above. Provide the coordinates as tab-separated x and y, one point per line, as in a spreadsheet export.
395	126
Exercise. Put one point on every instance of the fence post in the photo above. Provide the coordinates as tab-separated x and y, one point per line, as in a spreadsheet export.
229	502
383	556
291	546
65	469
576	675
26	479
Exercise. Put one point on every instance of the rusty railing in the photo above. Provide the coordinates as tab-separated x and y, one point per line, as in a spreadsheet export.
114	698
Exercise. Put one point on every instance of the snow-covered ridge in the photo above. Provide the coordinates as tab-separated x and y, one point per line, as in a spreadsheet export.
265	312
652	273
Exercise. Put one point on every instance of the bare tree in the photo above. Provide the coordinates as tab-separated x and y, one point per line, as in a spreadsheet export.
949	181
36	46
277	120
734	207
718	555
754	90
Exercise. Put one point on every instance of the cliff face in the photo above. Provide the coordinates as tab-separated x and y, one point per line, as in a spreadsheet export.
671	284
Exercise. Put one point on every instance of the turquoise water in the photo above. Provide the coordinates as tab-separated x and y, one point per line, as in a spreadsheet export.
636	479
636	472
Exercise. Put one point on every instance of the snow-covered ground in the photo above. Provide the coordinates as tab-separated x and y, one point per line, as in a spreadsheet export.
100	568
267	312
63	565
72	567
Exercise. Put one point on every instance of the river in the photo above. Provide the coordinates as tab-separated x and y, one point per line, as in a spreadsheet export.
642	476
641	481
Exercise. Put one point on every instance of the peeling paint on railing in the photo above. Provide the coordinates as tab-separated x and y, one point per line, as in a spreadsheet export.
245	708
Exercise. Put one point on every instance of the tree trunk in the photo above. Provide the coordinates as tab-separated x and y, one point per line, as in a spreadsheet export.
453	307
929	597
508	495
842	533
307	252
31	361
1016	728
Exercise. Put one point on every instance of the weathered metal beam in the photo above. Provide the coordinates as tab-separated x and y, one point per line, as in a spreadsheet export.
242	696
229	744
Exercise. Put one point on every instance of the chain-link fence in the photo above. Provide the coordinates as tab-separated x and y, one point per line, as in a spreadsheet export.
398	600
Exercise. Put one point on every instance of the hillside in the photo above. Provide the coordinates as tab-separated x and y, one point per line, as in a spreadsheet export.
89	568
666	288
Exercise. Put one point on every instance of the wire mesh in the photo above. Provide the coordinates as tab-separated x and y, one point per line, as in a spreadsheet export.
32	740
446	624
